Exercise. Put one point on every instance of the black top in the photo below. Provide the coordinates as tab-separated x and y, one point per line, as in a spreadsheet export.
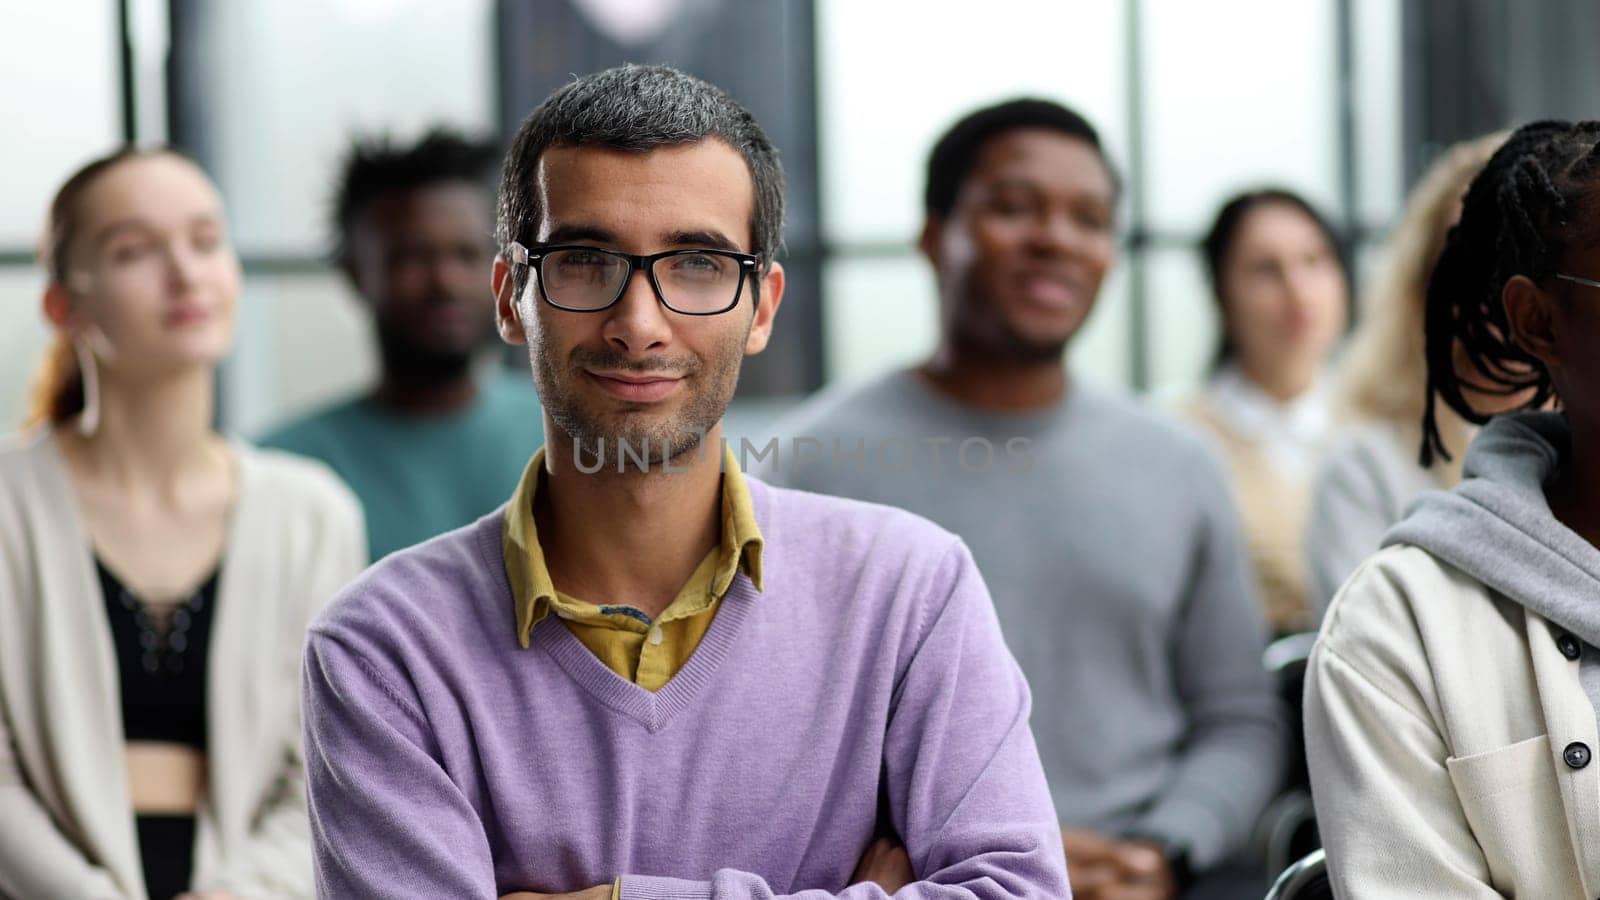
162	671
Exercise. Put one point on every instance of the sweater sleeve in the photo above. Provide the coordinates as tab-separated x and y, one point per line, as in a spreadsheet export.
1386	806
36	859
275	860
383	808
1345	525
1232	757
965	786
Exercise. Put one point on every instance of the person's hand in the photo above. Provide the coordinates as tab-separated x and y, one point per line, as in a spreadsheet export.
1145	870
1090	866
206	895
1101	868
598	892
887	864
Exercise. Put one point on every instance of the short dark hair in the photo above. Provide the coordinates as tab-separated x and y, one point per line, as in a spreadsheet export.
1518	217
956	153
1218	246
640	108
377	165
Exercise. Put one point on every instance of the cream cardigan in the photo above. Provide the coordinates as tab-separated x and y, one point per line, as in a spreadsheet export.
66	826
1443	730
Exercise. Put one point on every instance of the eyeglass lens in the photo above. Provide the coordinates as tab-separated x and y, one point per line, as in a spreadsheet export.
690	282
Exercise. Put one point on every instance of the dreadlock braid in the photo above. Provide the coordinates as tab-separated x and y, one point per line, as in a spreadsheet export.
1518	217
1585	167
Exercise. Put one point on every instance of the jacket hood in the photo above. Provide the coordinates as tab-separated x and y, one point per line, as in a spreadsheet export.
1496	525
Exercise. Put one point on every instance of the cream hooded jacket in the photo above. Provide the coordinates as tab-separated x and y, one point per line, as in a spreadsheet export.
1451	739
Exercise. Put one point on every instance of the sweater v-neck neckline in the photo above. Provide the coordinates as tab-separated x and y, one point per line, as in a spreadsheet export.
652	709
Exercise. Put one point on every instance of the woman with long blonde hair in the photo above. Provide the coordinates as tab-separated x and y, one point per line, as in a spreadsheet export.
156	577
1371	472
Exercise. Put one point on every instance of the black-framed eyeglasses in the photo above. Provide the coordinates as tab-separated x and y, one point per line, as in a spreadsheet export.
1586	282
692	282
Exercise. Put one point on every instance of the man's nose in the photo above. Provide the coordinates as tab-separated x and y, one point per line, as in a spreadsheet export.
638	321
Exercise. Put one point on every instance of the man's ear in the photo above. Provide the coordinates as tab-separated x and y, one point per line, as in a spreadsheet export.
928	240
347	267
1534	315
771	295
507	315
358	252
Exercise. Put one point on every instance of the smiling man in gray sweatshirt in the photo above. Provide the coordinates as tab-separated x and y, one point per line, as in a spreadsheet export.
1106	534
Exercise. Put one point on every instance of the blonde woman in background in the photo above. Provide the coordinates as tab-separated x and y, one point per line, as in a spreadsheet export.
1371	473
1282	289
156	578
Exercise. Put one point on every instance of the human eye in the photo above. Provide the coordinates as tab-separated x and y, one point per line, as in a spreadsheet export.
1093	218
1319	258
132	249
208	239
582	258
1011	203
703	262
703	266
580	265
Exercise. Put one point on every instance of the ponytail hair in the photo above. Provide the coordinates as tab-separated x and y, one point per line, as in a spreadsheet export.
57	392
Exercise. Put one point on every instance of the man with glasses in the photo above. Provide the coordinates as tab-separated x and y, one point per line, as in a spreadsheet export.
647	676
1105	533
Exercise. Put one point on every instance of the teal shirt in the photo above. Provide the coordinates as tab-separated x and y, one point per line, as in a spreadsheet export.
420	476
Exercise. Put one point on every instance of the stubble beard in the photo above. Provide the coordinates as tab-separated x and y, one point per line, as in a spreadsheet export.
661	439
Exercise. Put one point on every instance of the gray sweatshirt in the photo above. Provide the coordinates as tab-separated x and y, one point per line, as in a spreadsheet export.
1497	527
1112	550
1367	480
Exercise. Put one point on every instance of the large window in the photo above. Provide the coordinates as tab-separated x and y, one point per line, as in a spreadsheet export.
274	93
1194	101
62	105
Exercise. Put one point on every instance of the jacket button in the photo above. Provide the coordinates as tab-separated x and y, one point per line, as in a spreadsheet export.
1569	646
1576	755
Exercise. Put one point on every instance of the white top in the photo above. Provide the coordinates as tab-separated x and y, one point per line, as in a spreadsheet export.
66	822
1292	435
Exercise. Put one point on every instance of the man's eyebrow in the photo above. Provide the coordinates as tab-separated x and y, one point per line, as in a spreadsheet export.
708	238
714	240
566	234
1015	181
1028	185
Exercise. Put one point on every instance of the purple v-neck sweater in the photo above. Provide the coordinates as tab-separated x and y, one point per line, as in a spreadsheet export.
446	761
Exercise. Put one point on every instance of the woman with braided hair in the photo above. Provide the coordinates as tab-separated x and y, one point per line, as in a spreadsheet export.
1451	699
